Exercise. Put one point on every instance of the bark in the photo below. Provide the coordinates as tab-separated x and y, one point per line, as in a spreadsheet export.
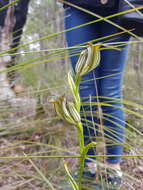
5	59
21	106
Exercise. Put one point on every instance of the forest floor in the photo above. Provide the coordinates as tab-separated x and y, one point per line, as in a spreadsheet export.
40	136
29	128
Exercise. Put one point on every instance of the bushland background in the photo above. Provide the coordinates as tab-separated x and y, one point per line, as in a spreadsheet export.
31	127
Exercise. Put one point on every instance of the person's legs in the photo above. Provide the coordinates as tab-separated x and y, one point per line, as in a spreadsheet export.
74	17
112	63
111	69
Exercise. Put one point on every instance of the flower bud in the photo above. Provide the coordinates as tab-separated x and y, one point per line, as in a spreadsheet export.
74	90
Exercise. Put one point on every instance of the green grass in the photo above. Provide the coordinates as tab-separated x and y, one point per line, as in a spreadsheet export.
45	134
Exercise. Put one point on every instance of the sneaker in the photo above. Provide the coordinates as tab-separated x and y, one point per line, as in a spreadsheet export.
88	177
87	174
113	179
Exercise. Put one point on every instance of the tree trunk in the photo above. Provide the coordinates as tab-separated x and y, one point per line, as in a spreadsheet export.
5	59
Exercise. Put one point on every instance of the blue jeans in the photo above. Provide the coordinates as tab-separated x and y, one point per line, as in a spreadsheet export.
102	83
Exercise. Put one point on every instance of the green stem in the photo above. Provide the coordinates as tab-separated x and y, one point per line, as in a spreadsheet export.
82	147
82	159
80	132
80	136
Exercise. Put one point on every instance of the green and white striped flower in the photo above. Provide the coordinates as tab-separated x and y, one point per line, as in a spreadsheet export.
66	110
88	60
58	106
